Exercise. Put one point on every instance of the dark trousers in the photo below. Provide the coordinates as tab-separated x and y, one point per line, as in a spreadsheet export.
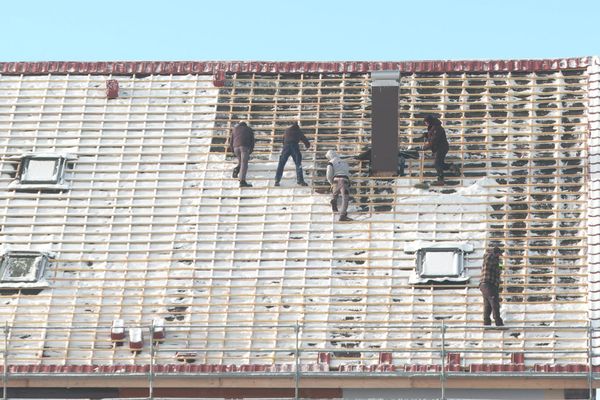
243	155
439	163
290	149
401	165
491	303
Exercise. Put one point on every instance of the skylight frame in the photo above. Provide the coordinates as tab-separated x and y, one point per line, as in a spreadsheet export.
456	265
38	266
60	164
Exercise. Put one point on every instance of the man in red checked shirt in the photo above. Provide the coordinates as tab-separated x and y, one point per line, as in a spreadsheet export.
490	286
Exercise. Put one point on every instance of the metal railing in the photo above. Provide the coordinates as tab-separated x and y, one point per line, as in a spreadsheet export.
433	350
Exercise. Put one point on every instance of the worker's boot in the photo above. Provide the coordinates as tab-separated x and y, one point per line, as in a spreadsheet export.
245	184
236	171
333	203
345	218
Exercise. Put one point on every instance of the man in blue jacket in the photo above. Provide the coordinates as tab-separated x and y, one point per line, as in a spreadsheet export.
291	139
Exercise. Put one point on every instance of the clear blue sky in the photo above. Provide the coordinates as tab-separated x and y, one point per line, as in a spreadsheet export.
285	30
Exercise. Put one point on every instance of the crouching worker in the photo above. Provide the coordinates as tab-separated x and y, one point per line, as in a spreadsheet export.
241	144
291	138
490	286
338	172
438	144
403	155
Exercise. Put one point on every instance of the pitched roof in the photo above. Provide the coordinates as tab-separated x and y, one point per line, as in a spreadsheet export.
153	225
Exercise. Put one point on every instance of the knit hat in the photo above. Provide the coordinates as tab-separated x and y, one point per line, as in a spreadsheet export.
331	154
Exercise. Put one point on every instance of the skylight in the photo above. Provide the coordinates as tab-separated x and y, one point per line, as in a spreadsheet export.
440	262
22	266
48	170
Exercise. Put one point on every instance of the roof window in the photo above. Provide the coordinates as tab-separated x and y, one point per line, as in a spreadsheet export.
22	266
440	262
44	171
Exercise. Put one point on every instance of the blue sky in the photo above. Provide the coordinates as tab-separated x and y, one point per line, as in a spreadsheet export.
289	30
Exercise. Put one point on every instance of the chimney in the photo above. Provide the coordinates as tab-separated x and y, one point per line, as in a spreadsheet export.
112	89
384	123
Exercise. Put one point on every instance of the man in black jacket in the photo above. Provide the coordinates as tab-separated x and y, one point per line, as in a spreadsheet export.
291	138
241	144
438	144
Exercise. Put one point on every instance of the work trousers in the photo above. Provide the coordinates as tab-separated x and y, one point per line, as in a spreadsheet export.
341	185
243	155
439	163
290	149
491	303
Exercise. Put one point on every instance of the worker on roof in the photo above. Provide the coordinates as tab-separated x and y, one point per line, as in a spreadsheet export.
241	144
438	144
291	139
489	285
338	175
403	155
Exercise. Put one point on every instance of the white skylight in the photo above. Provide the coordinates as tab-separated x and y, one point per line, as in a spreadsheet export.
42	170
22	266
440	262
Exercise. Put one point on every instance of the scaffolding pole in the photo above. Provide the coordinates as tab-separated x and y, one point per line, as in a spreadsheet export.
590	362
443	374
297	361
151	371
5	361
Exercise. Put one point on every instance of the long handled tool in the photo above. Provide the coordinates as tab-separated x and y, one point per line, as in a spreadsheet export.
422	184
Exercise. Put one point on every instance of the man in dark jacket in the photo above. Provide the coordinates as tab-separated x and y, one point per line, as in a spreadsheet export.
241	144
490	286
438	144
291	138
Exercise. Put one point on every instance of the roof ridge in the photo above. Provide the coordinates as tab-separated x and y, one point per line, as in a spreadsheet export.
211	67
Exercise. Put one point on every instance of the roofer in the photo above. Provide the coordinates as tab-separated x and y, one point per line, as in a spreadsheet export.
338	172
438	144
490	286
403	155
242	145
291	138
